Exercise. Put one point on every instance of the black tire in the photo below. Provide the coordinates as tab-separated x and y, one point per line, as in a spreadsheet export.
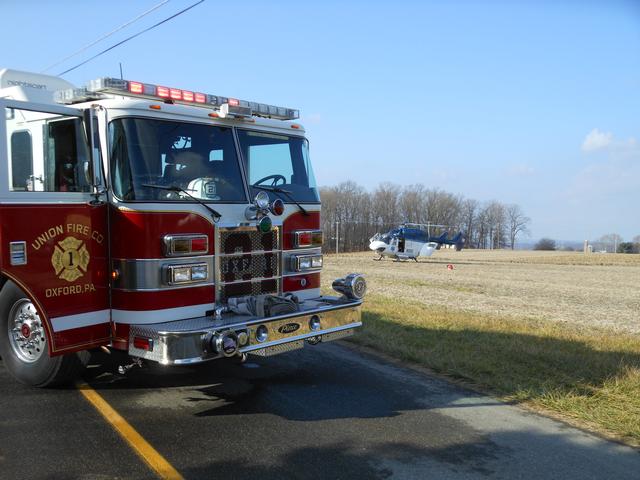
43	370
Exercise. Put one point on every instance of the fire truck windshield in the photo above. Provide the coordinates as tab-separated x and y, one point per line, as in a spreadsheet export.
281	161
200	159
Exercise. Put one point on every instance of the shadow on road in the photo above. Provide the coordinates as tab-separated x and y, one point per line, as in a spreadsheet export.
533	456
349	460
329	412
307	385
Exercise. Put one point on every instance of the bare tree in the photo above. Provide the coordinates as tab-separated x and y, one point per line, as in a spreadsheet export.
412	204
329	199
385	201
517	223
442	207
483	227
353	210
496	224
468	218
358	214
610	242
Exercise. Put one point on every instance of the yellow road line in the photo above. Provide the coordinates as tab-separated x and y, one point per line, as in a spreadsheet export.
152	458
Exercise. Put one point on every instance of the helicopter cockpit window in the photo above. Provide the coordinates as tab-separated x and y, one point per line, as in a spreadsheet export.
148	153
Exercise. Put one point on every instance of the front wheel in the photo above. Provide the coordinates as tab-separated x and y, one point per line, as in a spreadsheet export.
24	347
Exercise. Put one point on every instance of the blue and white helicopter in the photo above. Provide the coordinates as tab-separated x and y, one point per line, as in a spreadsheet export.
412	241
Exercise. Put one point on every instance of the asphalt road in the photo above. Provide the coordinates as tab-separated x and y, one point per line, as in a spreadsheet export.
327	412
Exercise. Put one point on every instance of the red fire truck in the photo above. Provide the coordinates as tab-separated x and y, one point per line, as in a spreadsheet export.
174	225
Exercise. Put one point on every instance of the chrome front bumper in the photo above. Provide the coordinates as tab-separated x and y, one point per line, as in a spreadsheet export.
190	341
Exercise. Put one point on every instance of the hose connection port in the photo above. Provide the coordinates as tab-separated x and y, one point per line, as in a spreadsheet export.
353	286
225	343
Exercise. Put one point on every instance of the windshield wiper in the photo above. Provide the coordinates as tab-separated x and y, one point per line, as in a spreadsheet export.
286	193
174	188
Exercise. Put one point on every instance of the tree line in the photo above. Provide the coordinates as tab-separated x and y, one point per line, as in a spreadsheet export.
609	243
352	214
613	242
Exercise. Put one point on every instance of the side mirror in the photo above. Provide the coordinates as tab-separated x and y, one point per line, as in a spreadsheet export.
91	167
88	172
88	131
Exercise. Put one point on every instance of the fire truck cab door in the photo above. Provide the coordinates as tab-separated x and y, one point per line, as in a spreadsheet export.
53	227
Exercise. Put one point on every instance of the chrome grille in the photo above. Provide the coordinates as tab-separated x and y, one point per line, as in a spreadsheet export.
247	266
248	262
243	240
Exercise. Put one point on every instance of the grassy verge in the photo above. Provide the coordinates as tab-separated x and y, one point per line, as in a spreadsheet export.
590	376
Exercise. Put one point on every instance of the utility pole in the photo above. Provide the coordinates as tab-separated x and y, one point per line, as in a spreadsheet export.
337	235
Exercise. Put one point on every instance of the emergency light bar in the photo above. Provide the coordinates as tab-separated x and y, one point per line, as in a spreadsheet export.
228	107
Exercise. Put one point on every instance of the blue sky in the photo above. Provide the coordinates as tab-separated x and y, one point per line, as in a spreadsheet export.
535	103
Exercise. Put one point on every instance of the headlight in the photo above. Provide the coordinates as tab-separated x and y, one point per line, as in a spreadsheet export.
199	272
262	200
301	263
304	263
181	274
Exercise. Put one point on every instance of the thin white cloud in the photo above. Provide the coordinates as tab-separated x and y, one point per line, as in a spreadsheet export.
596	140
521	170
614	174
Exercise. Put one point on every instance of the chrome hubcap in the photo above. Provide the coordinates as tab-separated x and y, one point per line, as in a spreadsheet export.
26	333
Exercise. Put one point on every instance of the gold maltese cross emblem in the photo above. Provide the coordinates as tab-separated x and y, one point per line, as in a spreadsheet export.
70	259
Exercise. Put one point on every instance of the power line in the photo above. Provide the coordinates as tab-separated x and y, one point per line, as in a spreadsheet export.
86	47
132	37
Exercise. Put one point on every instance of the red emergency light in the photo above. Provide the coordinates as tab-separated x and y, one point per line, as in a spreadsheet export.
227	107
136	87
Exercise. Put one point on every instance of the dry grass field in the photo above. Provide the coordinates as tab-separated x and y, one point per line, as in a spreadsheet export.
559	332
597	290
